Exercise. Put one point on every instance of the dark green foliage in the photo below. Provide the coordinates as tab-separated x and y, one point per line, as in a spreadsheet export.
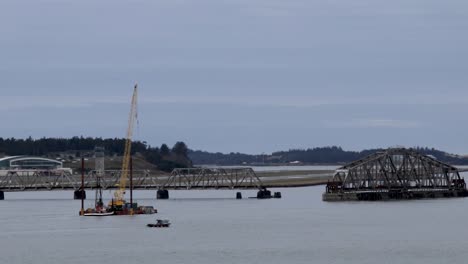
80	145
325	155
203	157
164	150
180	149
153	156
43	146
168	166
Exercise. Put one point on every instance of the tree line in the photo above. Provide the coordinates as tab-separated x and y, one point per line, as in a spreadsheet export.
332	155
164	157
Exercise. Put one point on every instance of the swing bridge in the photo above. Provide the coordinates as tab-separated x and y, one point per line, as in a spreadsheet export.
395	174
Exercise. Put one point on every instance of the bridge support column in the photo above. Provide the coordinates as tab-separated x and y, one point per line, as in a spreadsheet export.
264	194
79	194
2	195
162	194
238	195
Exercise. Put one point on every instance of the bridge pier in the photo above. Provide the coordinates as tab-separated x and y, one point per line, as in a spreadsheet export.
264	194
2	196
79	194
162	194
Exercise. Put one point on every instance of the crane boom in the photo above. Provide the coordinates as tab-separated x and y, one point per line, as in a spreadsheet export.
119	194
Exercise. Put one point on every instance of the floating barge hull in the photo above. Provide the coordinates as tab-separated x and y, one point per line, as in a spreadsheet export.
392	195
98	214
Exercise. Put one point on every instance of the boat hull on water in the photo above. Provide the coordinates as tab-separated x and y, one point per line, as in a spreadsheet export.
160	223
98	214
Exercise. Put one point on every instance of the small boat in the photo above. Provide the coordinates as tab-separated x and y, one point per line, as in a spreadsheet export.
160	223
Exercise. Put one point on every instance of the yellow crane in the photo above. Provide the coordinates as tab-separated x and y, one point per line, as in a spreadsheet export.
119	194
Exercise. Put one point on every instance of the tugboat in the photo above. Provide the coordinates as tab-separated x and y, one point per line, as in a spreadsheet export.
160	223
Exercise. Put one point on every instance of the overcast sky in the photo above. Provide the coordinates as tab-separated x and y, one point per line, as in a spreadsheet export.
239	75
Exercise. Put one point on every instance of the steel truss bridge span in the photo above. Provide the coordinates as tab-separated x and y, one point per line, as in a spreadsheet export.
396	173
193	178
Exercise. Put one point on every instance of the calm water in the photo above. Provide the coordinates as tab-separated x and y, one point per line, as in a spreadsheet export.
210	227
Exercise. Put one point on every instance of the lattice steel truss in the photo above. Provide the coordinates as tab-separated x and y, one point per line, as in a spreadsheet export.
396	168
201	178
213	178
21	180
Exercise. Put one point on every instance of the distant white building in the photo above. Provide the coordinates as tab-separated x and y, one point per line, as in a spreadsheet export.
29	163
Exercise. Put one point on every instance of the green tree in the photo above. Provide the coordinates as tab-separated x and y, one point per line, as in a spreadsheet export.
180	148
164	150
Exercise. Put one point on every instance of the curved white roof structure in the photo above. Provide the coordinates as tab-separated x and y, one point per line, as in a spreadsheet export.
28	162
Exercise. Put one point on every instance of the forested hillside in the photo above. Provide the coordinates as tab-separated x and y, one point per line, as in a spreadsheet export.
163	157
325	155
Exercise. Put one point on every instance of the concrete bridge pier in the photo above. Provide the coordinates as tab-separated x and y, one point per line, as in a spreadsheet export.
264	194
162	194
277	195
79	194
2	195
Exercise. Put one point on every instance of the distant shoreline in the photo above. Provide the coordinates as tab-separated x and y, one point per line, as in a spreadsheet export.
293	178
